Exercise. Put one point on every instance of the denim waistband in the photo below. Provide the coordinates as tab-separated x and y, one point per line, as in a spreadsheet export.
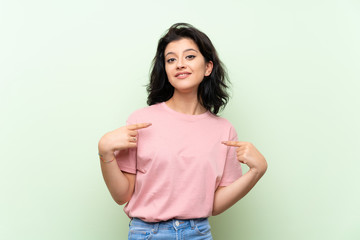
169	224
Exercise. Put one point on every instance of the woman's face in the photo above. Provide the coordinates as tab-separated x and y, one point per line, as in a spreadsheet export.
185	66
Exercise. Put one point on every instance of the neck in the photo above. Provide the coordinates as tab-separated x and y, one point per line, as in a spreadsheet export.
186	103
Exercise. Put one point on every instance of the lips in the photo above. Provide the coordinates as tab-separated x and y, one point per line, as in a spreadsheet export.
182	74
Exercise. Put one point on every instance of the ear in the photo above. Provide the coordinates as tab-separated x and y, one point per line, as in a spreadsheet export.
208	68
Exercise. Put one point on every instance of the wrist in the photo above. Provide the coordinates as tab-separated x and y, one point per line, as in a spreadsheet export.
105	151
258	172
107	157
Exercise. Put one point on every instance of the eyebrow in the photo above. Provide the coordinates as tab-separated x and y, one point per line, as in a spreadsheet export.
189	49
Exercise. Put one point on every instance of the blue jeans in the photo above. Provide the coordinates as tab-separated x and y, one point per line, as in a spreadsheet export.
174	229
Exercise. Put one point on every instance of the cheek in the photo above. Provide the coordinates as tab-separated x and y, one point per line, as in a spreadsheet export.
201	70
201	67
167	70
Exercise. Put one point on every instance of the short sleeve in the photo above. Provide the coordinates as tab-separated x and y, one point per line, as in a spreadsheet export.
232	170
126	159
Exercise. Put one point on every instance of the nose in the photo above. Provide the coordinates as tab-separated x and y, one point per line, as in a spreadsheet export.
180	64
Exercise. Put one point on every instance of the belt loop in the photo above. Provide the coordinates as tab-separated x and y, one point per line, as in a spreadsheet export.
192	223
156	227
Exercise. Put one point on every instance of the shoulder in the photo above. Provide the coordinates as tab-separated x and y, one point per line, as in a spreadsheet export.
143	112
224	125
221	121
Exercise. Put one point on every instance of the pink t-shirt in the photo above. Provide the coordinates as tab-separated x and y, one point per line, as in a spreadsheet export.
179	162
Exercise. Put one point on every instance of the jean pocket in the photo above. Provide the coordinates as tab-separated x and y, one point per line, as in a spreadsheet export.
139	233
203	228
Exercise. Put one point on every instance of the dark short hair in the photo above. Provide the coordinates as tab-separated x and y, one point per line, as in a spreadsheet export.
212	92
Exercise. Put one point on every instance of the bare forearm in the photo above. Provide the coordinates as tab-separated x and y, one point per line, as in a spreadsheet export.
116	181
121	185
227	196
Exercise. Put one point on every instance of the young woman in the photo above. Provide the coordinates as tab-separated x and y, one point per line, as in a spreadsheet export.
176	162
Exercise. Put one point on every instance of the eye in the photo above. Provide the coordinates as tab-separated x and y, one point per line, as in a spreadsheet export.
170	60
190	56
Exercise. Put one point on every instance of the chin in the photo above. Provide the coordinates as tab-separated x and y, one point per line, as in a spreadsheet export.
186	90
185	87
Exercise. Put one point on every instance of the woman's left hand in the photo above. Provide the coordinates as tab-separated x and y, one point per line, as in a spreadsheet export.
249	155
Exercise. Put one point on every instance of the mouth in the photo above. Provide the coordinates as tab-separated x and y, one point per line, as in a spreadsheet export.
182	74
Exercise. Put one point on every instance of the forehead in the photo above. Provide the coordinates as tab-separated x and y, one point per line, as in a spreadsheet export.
181	45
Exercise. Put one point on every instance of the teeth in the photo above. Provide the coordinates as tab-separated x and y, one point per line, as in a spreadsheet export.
182	74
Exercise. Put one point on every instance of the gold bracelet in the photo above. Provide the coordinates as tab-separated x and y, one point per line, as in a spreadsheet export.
101	158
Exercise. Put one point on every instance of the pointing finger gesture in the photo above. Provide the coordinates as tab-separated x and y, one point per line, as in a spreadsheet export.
247	153
122	138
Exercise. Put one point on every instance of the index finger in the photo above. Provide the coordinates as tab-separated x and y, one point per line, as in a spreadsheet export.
138	126
232	143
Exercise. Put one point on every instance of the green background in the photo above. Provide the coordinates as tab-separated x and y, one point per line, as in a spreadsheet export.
73	70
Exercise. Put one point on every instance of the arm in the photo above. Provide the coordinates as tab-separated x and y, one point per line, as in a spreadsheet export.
120	184
227	196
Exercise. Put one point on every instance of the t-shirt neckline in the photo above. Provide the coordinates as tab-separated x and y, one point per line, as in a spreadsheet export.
183	115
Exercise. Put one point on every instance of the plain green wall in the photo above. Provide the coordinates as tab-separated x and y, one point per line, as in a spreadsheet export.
72	70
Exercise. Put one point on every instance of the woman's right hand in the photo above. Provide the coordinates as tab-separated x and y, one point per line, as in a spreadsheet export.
119	139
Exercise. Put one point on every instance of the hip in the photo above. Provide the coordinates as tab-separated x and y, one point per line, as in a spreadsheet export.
179	229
